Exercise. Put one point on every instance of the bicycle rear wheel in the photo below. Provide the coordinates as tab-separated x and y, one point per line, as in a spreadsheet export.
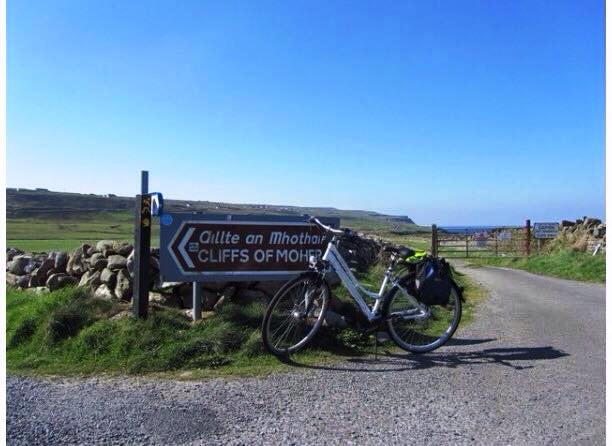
295	314
424	334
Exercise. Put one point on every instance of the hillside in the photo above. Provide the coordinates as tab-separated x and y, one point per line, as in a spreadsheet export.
41	219
26	202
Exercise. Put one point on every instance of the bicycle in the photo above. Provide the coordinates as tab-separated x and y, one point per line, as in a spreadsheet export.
297	311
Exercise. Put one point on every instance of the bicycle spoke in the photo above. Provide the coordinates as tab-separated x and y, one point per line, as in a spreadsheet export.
293	318
424	334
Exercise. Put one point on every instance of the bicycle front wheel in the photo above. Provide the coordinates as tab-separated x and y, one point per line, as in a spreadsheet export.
421	335
295	314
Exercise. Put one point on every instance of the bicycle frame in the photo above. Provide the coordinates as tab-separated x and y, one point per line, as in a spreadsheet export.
333	256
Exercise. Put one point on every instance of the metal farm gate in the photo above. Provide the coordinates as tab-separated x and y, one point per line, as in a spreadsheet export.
508	241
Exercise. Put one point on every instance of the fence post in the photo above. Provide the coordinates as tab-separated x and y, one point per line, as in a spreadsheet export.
496	235
467	238
142	249
434	240
528	237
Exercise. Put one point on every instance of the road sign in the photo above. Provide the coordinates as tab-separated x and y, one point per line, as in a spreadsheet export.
481	238
504	236
545	230
209	247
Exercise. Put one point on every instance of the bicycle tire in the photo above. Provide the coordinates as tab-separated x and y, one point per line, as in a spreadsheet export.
399	338
308	281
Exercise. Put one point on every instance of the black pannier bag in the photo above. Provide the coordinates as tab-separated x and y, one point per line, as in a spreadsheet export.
434	282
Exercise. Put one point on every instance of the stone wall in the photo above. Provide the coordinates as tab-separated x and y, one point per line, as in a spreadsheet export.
107	269
584	234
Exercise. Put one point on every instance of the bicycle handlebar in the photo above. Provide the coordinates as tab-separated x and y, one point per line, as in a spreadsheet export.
316	221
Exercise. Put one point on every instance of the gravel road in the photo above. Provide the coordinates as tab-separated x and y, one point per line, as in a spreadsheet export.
529	370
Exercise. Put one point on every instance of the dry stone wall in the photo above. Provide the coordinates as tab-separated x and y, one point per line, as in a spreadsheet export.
107	269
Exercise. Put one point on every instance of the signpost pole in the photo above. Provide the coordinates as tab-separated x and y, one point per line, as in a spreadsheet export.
197	301
142	249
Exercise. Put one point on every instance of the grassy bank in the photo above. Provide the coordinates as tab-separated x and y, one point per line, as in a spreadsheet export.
69	332
565	263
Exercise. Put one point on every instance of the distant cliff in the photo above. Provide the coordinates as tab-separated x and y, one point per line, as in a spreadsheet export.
31	202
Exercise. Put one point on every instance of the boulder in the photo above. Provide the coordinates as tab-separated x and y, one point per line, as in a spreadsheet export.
125	314
91	279
61	261
167	300
104	292
124	249
30	267
12	279
123	288
18	264
116	262
76	264
108	277
130	263
227	296
85	250
33	282
591	222
98	262
12	253
90	251
24	281
60	280
104	244
109	252
42	273
209	300
334	320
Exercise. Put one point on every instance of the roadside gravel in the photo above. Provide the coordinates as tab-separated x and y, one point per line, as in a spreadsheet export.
529	370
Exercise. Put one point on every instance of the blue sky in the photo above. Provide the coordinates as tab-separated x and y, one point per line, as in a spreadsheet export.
451	112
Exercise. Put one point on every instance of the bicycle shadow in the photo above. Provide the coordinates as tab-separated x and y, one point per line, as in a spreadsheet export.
517	358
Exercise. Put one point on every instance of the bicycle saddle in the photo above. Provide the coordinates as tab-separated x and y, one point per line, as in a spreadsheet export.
401	251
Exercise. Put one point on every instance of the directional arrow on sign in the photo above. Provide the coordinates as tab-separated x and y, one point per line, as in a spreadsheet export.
183	243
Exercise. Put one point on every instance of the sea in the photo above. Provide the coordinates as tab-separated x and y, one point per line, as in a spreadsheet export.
470	229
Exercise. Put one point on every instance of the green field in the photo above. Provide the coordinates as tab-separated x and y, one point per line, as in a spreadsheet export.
563	263
69	230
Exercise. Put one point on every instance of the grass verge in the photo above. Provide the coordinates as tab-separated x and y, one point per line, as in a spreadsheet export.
68	332
564	263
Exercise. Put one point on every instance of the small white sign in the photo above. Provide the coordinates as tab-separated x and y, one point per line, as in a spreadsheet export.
481	239
504	236
545	230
